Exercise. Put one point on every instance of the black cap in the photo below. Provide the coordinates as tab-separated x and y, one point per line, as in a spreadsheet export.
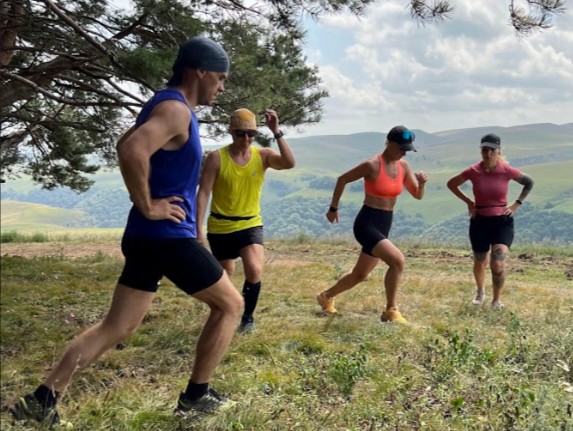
199	53
403	137
490	140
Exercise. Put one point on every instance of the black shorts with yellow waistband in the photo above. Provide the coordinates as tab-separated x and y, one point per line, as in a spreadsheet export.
225	246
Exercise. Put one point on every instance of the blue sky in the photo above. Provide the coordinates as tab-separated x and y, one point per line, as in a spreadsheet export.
383	69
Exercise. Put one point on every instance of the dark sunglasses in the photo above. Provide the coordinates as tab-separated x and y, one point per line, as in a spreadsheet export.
243	133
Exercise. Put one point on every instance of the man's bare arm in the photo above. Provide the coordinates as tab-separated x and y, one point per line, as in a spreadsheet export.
167	125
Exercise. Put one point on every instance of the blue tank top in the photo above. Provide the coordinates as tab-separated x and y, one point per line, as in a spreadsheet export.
172	173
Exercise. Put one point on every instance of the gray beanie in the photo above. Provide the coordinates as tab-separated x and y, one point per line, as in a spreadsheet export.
199	53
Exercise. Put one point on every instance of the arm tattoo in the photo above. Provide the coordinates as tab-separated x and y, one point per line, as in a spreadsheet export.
526	181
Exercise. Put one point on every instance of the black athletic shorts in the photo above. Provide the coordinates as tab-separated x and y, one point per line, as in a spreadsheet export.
225	246
487	231
184	261
371	226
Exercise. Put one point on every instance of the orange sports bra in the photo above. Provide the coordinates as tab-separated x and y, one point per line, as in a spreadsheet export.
385	186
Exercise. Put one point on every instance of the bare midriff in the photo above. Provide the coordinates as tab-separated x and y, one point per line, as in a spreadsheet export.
379	203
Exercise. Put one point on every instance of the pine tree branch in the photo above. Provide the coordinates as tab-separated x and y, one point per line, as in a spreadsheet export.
130	30
56	98
50	4
126	93
105	51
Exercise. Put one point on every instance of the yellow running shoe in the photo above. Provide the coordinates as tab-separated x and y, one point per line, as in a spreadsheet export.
392	315
327	304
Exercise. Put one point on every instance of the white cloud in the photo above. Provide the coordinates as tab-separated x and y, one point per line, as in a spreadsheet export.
470	71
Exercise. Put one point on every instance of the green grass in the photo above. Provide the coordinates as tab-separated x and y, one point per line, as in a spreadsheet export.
23	216
15	236
558	190
455	367
60	235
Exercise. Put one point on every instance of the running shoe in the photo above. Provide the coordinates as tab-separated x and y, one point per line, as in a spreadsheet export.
480	296
208	403
497	305
392	315
247	325
29	408
327	304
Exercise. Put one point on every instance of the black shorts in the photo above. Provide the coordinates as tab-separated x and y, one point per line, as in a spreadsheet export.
487	231
184	261
225	246
371	226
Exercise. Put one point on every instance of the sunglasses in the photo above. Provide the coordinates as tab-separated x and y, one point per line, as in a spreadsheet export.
408	136
243	133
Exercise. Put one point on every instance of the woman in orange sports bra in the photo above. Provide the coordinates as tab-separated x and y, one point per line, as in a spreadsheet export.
384	176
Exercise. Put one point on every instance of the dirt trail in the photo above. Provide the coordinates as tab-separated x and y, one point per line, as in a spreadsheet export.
288	254
68	249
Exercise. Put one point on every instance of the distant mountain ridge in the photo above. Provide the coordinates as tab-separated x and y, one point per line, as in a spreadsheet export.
459	146
544	151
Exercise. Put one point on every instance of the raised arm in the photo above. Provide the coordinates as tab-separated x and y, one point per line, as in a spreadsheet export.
208	177
363	170
284	159
166	127
415	183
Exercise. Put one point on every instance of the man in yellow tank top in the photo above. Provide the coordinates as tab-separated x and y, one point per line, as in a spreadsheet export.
234	175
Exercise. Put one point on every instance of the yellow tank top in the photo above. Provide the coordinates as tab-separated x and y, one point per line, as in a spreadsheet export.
237	194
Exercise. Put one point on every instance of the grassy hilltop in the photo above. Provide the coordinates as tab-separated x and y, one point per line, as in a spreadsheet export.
455	367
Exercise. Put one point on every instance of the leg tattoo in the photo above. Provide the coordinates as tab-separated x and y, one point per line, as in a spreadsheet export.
498	254
498	257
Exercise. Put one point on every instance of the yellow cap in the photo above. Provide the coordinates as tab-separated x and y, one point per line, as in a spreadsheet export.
243	119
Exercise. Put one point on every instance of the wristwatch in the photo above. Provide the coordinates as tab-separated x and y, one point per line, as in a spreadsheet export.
279	135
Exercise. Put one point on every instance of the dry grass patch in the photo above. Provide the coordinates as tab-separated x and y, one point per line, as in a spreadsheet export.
456	366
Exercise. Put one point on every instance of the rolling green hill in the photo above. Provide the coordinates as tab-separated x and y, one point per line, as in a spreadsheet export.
447	151
23	216
544	151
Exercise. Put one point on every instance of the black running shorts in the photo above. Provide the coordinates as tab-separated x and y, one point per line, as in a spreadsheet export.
225	246
184	261
487	231
371	226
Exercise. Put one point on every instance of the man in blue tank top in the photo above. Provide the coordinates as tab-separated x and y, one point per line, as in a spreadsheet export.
160	158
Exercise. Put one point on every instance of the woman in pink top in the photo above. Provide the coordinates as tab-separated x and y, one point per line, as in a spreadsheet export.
491	218
384	175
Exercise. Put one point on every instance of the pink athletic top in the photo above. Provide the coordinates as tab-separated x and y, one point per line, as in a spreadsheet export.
490	188
385	186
